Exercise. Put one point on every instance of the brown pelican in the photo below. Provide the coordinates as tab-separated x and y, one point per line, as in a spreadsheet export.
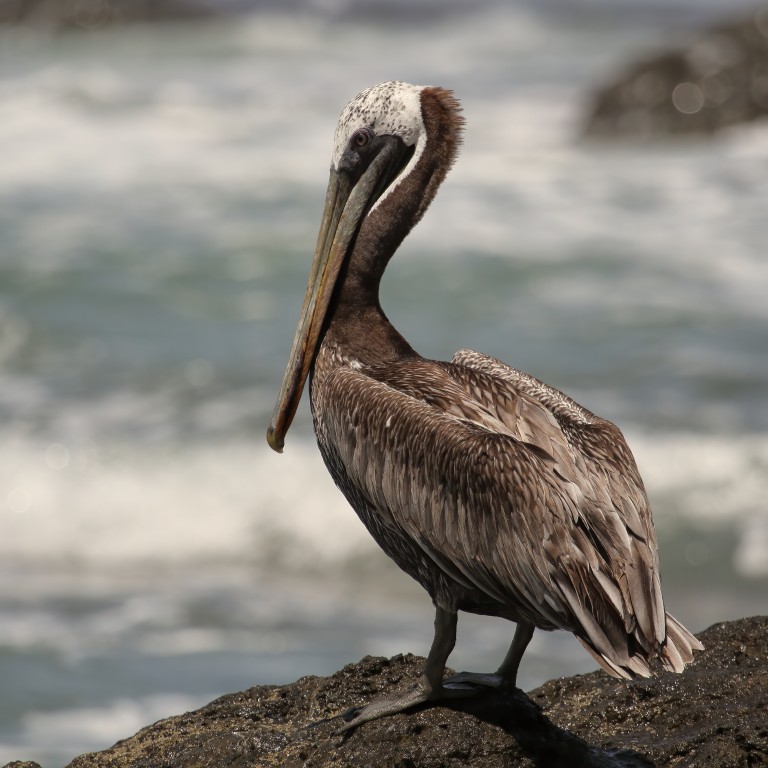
498	493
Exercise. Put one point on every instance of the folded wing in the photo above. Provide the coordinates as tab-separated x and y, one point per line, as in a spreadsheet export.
510	487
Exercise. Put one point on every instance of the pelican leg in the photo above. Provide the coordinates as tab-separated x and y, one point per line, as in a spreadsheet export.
429	688
507	672
508	669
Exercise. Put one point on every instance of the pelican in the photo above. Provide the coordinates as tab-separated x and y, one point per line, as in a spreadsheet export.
499	494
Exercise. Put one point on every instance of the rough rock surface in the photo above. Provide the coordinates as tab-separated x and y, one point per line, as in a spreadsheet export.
714	715
717	80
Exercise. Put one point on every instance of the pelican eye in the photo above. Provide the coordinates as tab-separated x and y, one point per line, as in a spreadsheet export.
361	139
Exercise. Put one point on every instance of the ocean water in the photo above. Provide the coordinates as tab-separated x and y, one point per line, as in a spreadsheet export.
160	191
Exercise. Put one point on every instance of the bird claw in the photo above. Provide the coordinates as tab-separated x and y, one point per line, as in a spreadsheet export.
350	714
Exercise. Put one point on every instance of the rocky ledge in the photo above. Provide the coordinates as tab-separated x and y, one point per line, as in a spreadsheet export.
714	714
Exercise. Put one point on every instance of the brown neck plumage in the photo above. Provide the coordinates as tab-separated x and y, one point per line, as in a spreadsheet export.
356	313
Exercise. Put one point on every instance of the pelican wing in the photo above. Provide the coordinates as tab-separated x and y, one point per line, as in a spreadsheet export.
484	479
616	499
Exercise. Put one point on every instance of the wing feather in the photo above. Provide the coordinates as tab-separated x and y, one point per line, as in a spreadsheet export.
616	512
490	475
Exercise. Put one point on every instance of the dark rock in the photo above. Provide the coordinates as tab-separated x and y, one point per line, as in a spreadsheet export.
714	714
21	764
718	80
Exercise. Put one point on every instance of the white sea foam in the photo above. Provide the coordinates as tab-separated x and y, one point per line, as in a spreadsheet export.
46	735
223	502
236	502
523	187
712	481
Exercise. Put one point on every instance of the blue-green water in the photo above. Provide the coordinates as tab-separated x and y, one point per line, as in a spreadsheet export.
160	191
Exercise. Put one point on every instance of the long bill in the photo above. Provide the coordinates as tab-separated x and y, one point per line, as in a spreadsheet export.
345	206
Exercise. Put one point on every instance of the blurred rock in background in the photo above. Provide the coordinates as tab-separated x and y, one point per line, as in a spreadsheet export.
718	79
96	13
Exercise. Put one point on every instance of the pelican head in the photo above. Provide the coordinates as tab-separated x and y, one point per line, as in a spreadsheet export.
379	139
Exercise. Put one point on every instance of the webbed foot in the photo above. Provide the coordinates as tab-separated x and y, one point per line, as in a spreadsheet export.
421	693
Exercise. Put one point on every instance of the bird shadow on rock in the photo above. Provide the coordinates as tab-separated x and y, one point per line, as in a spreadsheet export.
538	739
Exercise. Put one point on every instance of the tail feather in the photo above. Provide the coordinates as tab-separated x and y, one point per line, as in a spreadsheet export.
682	641
676	651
